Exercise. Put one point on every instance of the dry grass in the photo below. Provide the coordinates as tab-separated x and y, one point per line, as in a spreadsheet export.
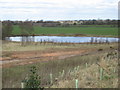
90	77
16	46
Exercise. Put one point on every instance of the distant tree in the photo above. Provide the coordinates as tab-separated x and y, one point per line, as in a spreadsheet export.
0	30
26	28
114	23
108	21
92	40
94	21
26	31
7	28
41	21
74	23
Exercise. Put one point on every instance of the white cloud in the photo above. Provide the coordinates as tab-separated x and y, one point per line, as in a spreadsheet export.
57	8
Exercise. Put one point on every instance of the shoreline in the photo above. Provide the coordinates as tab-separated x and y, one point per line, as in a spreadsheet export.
68	35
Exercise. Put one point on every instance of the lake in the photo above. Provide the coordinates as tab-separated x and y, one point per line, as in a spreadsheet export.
66	39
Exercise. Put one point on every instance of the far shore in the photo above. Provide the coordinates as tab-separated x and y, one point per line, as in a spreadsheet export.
72	35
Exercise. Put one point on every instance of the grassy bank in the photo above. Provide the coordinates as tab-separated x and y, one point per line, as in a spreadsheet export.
90	75
101	30
16	46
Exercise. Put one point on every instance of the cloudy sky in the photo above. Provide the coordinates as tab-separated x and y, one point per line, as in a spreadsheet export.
58	9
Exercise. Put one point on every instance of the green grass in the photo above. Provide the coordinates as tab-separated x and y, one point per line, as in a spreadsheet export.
88	30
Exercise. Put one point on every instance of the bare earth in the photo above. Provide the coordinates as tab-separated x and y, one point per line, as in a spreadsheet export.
29	57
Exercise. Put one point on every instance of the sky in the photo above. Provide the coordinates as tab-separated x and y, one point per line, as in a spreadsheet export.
58	9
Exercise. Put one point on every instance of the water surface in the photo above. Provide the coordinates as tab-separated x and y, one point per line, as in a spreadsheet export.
66	39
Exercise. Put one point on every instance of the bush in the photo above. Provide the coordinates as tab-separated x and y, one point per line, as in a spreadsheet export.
33	81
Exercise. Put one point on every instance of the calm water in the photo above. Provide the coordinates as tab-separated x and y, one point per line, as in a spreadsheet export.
66	39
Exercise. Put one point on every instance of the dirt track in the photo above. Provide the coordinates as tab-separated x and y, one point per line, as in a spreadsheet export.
29	57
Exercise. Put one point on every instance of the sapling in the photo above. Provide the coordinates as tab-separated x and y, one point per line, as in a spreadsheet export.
75	69
78	67
101	73
76	83
33	81
22	85
86	65
114	70
51	78
69	71
63	73
59	73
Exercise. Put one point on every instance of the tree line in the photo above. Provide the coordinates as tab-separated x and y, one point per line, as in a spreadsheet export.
27	28
75	22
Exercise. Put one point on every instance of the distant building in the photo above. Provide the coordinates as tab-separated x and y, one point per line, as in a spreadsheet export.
80	22
47	24
71	22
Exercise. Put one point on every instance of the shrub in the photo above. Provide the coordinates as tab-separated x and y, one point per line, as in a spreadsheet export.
33	81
